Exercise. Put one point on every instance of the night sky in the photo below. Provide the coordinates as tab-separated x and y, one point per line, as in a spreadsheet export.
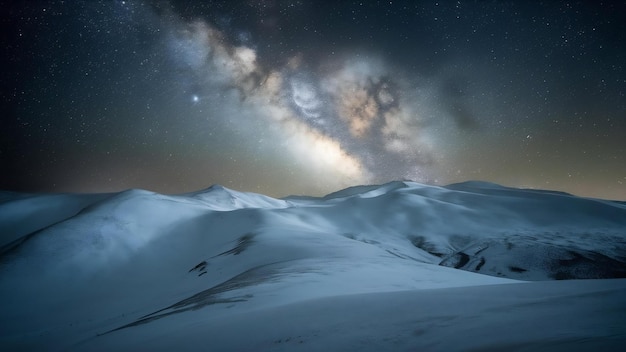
307	97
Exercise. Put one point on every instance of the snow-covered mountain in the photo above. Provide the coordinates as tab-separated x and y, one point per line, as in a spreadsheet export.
400	266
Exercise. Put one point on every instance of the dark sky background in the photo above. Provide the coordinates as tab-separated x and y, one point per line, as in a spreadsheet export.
307	97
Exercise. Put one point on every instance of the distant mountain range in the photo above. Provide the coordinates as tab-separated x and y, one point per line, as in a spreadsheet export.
399	266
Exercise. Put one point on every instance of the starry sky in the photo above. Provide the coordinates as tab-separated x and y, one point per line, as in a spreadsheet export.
307	97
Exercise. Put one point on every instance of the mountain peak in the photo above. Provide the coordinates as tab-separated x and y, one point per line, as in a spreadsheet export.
370	190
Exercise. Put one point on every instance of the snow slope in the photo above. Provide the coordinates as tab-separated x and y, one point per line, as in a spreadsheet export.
366	268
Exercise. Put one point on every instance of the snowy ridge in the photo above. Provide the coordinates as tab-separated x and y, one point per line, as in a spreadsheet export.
219	197
23	214
157	263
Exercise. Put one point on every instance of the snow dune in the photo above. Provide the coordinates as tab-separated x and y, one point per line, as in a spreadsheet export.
400	266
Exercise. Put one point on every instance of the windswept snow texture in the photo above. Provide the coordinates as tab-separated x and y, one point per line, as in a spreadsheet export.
401	266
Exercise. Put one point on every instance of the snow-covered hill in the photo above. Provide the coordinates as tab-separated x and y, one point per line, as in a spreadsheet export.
400	266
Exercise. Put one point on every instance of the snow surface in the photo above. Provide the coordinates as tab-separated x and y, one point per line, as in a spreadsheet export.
401	266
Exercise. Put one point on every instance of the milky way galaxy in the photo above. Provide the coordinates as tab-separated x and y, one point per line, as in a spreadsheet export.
346	124
286	97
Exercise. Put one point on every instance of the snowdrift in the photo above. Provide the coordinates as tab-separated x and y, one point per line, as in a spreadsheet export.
400	266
